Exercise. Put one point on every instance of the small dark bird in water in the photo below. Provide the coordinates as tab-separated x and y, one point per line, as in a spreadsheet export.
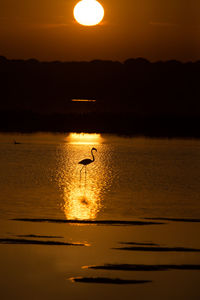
88	161
16	143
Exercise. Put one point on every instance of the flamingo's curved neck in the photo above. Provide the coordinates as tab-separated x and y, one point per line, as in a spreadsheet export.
93	159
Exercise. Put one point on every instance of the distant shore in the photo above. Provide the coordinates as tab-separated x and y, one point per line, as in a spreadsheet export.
136	97
113	123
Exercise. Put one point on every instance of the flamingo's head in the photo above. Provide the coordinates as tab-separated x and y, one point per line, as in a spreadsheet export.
94	149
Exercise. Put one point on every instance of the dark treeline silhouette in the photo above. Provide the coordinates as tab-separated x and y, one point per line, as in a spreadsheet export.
135	97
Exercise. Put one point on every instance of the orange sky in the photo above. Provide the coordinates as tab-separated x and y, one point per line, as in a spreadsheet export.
154	29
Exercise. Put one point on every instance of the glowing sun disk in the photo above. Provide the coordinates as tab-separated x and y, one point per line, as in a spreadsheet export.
88	12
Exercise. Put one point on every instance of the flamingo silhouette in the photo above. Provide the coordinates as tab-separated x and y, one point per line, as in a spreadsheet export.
87	161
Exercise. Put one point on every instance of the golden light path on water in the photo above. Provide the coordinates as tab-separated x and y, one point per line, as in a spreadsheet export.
82	191
84	138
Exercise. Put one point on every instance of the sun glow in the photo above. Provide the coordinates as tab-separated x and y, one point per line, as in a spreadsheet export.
88	12
83	190
84	138
82	202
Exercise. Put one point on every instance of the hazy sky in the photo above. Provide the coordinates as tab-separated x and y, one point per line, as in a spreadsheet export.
154	29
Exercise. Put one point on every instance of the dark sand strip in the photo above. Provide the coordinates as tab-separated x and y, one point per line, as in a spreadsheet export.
40	236
106	280
96	222
138	244
38	242
187	220
132	267
159	249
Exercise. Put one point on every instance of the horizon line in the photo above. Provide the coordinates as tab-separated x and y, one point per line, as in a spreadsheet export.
145	60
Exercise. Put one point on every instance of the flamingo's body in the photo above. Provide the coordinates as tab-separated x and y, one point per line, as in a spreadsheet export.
87	161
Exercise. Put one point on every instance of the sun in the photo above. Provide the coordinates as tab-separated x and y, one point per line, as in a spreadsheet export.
88	12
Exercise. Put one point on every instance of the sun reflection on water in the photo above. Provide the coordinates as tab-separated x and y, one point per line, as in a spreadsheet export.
82	192
82	202
84	138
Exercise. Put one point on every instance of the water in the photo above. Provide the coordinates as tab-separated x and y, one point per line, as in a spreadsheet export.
130	180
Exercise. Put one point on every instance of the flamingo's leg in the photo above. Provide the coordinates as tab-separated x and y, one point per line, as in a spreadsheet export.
81	171
85	174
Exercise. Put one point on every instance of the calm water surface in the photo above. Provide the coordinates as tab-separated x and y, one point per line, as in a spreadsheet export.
131	177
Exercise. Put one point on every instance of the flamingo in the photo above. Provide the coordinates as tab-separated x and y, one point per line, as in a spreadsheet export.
87	161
